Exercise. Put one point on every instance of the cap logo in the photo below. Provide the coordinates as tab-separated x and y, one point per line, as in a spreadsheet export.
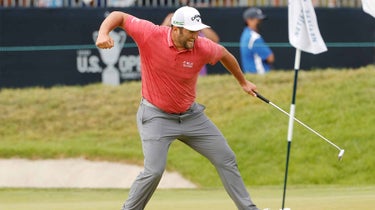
196	18
178	23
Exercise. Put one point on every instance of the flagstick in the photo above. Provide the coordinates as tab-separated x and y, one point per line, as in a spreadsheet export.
291	119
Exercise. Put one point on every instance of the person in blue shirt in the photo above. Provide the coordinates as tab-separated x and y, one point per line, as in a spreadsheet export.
256	56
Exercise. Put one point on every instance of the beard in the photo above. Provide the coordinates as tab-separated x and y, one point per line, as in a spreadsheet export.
189	44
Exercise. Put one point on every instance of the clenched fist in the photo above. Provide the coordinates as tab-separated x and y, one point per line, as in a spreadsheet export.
104	41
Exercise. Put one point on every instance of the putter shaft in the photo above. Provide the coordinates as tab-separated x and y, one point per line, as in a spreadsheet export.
303	124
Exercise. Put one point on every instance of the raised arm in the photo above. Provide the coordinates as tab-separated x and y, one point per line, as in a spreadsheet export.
232	65
112	21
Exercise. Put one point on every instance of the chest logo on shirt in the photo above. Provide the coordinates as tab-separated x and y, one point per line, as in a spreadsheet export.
187	64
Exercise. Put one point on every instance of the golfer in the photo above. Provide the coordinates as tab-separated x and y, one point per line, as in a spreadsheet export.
171	58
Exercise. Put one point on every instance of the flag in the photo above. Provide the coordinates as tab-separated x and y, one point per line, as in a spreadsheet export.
303	27
369	7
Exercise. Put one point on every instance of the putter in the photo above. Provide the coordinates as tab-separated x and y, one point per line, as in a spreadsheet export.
341	151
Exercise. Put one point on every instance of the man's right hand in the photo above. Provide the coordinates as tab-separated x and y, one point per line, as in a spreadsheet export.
104	41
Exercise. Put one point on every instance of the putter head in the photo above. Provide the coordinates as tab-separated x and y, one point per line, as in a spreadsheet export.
341	154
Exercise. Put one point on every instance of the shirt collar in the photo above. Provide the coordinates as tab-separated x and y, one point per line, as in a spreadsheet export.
169	38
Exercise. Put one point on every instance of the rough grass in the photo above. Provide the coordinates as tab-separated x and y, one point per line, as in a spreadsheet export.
98	122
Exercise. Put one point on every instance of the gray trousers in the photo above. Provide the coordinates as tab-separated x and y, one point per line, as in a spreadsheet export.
159	129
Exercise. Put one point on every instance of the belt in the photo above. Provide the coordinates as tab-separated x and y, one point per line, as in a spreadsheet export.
147	103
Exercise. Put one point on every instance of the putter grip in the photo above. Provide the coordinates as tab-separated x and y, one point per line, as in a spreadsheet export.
262	98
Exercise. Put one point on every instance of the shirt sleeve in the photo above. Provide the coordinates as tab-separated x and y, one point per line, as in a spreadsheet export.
213	50
261	48
139	29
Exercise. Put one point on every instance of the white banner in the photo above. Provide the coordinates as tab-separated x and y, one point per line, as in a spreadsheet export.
369	7
304	31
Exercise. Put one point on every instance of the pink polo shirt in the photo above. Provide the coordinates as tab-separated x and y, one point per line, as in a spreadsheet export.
169	76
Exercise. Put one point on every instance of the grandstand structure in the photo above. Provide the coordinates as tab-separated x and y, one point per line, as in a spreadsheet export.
168	3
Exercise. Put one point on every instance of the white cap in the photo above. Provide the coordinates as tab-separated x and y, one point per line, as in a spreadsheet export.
188	18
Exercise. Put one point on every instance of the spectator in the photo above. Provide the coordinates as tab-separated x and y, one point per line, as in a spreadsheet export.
256	56
120	3
50	3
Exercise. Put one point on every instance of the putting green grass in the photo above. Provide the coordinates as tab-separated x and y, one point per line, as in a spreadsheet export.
298	198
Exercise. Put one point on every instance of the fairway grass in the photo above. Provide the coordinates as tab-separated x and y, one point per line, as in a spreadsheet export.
298	198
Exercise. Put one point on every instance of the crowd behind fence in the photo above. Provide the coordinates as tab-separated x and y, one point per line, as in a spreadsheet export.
169	3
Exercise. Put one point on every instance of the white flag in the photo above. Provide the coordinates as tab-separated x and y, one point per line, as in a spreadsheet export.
304	31
369	7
